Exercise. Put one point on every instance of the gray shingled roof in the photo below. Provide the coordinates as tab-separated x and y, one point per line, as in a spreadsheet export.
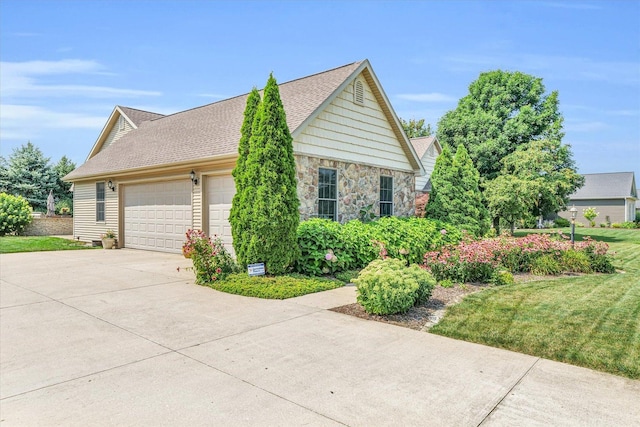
614	185
208	131
422	144
139	116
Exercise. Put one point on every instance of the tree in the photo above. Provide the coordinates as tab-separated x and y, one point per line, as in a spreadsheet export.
62	192
238	217
456	196
271	206
29	174
502	111
416	128
536	179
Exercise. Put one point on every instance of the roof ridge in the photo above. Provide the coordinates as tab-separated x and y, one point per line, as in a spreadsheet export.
138	109
260	90
606	173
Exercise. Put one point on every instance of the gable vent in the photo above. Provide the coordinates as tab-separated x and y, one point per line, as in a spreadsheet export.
358	92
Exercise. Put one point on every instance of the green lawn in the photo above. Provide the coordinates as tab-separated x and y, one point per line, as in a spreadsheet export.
591	320
11	244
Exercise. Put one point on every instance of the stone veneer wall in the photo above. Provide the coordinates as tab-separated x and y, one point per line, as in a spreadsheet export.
358	186
50	226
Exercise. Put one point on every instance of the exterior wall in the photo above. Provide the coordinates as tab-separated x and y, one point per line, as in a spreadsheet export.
197	207
50	226
428	162
614	209
85	226
358	186
353	133
116	133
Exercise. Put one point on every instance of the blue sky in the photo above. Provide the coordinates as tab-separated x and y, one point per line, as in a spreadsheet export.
65	65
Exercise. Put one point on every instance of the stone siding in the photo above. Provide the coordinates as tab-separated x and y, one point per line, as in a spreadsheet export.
358	186
52	226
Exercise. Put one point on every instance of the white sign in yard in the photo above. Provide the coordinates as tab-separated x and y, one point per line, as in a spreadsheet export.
256	269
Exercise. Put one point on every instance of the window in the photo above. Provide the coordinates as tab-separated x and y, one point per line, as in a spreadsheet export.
386	196
358	92
99	201
327	194
121	123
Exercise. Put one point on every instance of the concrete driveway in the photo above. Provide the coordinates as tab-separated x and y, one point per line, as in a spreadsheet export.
121	337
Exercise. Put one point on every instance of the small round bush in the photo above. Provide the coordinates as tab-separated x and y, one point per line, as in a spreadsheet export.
546	265
576	262
15	214
502	277
388	286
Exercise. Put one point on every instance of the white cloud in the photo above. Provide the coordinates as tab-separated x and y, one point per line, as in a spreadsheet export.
212	95
20	80
625	113
426	97
581	126
15	117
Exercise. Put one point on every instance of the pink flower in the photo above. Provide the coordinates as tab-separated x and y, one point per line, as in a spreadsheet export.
443	231
328	256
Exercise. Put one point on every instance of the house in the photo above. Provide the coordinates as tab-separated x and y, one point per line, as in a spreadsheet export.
428	148
150	177
613	195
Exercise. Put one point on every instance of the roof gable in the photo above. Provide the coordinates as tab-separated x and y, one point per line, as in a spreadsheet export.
212	131
615	185
422	144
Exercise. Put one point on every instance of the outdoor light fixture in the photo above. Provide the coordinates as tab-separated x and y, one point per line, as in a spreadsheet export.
193	177
111	186
574	212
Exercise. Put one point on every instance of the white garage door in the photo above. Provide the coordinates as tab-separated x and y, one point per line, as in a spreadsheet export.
157	215
220	191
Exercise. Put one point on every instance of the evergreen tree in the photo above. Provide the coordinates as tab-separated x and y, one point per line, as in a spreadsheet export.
63	168
416	128
271	206
28	174
238	217
456	196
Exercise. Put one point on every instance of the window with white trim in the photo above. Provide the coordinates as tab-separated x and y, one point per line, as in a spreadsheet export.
386	196
100	201
327	193
121	123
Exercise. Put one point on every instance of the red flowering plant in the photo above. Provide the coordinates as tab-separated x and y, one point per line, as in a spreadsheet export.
211	260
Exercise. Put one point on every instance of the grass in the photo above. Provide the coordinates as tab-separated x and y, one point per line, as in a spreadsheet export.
591	320
278	287
12	244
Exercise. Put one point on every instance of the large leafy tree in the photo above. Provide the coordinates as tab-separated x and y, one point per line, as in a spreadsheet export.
239	217
416	128
503	111
28	173
456	196
536	179
272	203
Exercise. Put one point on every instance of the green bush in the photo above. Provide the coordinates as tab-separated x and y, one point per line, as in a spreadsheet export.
388	286
328	247
546	265
64	206
273	287
576	262
561	222
347	276
502	277
15	214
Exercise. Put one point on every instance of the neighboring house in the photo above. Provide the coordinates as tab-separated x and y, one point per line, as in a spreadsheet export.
428	148
613	195
348	143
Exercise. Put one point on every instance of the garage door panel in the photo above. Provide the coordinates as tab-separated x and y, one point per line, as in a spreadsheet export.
157	215
220	191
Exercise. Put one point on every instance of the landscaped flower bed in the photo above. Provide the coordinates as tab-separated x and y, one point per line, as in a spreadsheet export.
482	260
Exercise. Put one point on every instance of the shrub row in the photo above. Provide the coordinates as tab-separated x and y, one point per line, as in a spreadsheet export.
480	261
328	247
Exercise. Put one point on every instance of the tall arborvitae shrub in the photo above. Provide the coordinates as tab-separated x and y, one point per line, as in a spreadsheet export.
271	205
455	196
441	187
238	218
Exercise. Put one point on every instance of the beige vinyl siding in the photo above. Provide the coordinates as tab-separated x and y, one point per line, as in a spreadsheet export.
85	226
116	133
613	208
428	162
196	202
350	132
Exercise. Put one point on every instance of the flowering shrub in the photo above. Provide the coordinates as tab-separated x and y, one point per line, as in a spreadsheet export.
479	261
15	214
211	260
388	286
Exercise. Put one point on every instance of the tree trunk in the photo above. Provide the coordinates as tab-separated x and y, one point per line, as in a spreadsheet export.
496	225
